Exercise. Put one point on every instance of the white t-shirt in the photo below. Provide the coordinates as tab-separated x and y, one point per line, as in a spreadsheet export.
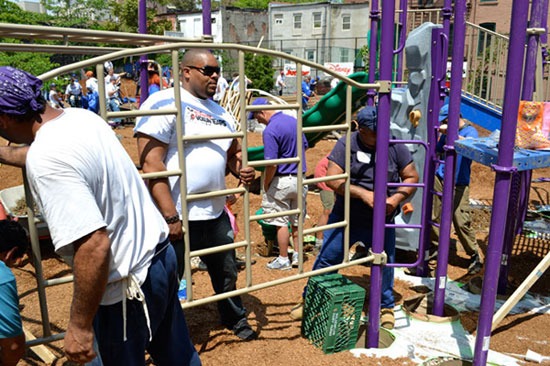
205	161
280	81
54	98
220	89
73	88
83	180
91	83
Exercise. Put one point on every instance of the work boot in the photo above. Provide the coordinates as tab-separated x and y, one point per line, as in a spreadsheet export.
387	319
297	311
475	264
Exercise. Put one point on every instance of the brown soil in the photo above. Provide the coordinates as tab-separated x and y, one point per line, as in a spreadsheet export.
280	341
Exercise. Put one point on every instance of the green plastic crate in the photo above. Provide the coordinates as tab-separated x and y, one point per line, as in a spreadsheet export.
332	312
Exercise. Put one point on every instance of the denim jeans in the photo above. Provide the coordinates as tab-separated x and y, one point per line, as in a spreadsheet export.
332	252
170	344
222	266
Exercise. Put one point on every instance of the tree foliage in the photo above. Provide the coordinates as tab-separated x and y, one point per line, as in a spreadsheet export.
259	69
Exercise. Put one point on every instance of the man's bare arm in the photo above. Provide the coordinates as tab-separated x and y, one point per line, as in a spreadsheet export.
339	185
12	350
14	155
91	271
152	153
408	174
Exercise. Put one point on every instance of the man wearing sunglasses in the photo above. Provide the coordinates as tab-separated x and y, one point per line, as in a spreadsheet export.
205	165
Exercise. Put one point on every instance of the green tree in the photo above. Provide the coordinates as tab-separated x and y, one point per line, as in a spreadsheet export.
259	69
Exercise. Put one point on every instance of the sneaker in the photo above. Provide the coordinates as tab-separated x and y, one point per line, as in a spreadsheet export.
244	331
202	266
475	264
297	311
360	252
280	263
295	262
387	319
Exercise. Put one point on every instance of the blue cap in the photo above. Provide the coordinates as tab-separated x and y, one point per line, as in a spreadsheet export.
444	113
368	118
257	101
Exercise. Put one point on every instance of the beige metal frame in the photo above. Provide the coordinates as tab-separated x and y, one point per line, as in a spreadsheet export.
174	49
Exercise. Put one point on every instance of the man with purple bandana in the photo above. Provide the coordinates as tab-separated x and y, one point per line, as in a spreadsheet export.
280	181
101	216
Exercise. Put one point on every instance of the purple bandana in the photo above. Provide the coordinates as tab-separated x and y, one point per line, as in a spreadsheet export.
19	91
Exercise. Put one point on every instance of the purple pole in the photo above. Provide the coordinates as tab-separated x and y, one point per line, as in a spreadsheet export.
520	190
544	36
373	48
143	77
381	171
206	18
446	14
438	58
459	32
504	170
402	39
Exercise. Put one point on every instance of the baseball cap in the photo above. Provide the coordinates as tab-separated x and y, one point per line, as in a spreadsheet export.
444	113
368	118
258	101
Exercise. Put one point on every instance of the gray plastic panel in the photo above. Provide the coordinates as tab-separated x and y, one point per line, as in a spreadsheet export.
404	101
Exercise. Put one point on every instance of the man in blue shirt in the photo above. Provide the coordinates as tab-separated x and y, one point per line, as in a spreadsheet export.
306	93
13	244
280	181
461	213
401	168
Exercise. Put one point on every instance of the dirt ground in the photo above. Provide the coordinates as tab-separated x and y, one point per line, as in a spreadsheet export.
280	341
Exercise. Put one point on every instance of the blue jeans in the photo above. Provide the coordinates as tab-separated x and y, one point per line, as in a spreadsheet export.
332	252
114	107
222	267
170	344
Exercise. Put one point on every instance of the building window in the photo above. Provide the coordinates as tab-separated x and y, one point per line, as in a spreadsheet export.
297	21
344	55
485	38
279	19
346	22
310	55
316	20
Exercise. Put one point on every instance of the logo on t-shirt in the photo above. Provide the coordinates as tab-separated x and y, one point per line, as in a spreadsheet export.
197	116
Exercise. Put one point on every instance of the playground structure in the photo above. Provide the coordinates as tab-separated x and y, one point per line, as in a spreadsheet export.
509	181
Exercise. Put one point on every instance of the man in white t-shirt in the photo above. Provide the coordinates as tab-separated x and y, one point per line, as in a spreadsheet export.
91	81
101	217
280	82
220	89
205	167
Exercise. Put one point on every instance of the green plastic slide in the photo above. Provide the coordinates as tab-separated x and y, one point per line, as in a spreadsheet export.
330	110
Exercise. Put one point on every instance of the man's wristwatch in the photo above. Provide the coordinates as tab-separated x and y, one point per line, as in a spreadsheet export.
172	219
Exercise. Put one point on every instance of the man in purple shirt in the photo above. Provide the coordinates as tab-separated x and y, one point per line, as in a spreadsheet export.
280	181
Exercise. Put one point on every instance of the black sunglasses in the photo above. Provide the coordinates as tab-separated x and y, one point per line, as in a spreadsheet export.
207	70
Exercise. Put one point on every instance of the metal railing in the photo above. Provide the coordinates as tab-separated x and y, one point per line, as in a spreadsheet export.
174	49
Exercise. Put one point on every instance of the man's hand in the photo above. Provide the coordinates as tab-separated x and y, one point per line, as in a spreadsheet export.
79	344
247	175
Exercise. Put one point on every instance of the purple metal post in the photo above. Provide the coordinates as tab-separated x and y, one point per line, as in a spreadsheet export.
520	190
206	18
402	39
381	169
544	36
503	169
143	77
459	31
446	13
373	48
438	58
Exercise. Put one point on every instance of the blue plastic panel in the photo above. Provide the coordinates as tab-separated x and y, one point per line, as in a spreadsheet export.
484	150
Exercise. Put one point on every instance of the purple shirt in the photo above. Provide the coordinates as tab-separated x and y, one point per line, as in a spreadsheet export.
279	139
